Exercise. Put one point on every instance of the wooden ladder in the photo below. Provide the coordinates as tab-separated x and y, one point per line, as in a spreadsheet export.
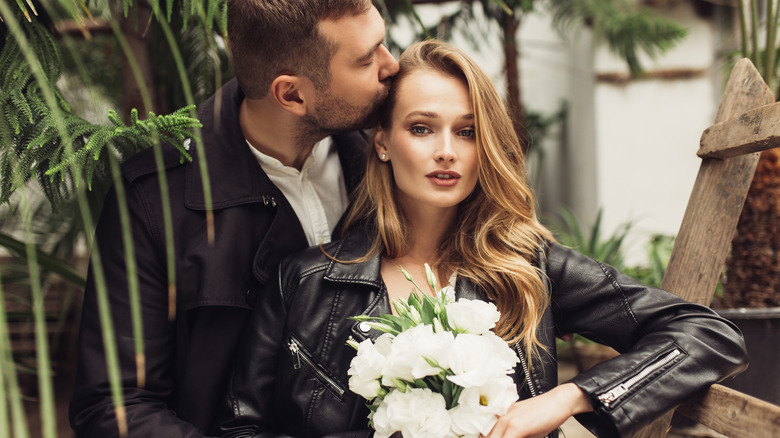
748	121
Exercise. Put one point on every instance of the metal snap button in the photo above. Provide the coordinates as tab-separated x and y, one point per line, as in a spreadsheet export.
364	327
251	297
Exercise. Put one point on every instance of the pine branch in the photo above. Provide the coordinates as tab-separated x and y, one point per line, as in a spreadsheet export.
32	146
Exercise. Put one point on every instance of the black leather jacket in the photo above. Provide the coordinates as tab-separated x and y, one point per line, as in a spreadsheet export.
290	374
187	359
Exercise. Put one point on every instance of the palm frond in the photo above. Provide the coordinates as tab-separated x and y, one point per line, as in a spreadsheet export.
626	29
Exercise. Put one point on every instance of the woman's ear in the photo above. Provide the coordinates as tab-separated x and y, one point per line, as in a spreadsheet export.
288	91
379	145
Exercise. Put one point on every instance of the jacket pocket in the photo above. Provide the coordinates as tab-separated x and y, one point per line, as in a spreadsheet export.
643	375
302	359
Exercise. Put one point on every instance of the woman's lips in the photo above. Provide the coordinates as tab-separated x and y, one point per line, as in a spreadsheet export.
444	178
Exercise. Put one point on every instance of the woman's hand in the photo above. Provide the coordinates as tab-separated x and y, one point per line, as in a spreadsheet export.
536	417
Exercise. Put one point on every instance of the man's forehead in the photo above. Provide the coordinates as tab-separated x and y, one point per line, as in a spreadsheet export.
355	36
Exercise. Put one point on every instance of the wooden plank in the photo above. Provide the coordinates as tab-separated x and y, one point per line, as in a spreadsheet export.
713	210
754	131
716	200
733	413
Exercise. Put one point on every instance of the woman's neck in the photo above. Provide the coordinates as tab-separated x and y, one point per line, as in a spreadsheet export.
428	228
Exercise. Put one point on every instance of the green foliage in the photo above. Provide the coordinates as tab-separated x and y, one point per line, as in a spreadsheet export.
625	29
608	250
32	146
659	250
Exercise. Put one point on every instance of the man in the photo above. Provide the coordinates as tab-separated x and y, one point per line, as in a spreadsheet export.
305	69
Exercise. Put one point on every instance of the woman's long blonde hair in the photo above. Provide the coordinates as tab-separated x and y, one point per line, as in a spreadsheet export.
496	237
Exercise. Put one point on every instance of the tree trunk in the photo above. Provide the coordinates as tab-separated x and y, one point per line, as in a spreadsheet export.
753	269
133	27
514	101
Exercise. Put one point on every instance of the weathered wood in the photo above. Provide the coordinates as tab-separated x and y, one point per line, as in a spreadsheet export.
711	216
716	200
754	131
733	413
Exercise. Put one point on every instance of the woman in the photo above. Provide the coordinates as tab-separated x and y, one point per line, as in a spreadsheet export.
446	185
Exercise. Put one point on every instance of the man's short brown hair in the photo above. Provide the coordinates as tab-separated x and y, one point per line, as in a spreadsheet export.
268	38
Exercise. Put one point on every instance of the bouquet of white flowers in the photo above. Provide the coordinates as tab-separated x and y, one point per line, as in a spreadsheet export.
437	370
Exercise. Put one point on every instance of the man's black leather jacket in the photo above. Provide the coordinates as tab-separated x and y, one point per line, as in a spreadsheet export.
290	374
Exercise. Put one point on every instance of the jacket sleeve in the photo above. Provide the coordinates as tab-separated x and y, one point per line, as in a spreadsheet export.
92	411
670	349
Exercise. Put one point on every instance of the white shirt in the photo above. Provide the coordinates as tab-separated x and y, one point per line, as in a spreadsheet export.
317	192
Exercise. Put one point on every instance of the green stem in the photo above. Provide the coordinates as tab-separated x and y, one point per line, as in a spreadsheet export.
769	50
187	88
124	217
45	385
754	33
743	28
97	267
8	379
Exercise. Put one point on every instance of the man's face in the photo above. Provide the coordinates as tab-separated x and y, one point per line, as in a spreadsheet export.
361	71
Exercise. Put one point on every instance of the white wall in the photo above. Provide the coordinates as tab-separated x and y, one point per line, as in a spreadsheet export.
630	147
648	131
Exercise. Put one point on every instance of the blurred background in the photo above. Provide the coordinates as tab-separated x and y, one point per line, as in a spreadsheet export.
611	97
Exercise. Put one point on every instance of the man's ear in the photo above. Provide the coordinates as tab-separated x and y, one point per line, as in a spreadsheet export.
288	91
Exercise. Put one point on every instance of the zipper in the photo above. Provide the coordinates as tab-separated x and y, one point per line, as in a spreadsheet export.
303	359
526	370
619	390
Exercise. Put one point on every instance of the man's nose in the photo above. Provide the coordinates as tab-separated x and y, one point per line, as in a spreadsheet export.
389	64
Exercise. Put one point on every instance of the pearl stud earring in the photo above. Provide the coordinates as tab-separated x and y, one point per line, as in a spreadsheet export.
383	157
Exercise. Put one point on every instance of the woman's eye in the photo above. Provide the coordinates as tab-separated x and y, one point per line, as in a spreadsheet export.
468	132
419	130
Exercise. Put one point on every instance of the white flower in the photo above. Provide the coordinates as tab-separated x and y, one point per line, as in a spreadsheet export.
479	407
416	413
365	368
472	316
476	359
406	358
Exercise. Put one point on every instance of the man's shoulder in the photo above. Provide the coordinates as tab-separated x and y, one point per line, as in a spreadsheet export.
145	163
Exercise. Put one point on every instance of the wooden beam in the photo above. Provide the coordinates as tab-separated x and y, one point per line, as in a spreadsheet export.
733	413
754	131
713	210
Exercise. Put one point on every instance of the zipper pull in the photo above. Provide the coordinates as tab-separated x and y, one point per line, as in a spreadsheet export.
293	346
613	394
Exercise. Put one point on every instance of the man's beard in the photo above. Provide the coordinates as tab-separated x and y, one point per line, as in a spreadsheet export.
334	115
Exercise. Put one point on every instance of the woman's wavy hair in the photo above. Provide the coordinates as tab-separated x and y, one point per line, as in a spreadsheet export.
496	237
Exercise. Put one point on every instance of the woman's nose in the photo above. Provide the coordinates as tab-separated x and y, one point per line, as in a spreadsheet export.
445	152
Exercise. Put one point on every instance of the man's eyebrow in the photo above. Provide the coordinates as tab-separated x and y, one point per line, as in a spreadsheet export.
368	54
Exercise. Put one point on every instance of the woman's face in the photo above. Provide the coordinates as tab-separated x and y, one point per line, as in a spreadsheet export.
431	143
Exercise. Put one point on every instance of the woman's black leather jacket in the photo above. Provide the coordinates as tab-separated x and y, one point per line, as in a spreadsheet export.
290	374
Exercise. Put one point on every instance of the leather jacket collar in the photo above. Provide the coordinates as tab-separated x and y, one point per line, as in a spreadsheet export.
354	246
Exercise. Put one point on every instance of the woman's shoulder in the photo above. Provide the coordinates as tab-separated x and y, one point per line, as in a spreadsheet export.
312	258
352	246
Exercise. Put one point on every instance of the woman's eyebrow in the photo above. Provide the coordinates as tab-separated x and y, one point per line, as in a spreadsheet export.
429	114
